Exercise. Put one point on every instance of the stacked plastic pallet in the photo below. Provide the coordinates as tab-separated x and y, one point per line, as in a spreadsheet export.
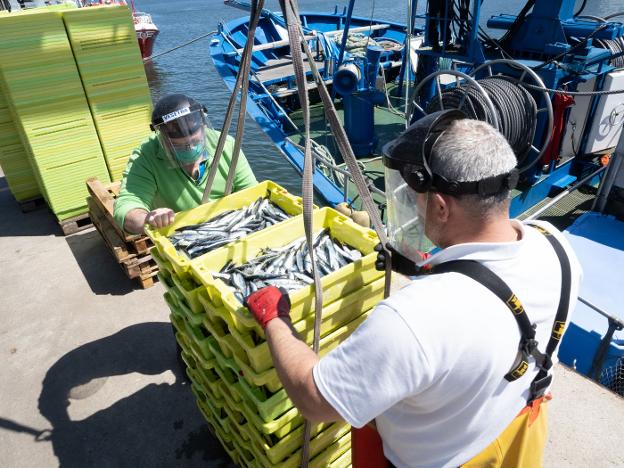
104	43
48	105
228	359
13	158
76	97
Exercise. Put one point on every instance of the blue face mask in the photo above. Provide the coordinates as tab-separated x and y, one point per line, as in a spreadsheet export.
189	156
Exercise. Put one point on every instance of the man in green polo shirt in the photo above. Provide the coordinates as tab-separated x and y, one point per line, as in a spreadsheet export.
168	172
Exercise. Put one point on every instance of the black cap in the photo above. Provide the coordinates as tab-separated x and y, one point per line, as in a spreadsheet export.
172	103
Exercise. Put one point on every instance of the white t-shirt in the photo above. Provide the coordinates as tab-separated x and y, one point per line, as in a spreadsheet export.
429	363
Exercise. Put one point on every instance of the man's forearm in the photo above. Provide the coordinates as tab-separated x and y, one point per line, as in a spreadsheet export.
294	361
135	221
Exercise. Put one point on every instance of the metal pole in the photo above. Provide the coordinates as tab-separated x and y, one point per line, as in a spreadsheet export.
407	59
611	318
345	34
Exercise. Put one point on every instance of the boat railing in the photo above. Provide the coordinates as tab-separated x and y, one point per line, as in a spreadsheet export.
142	18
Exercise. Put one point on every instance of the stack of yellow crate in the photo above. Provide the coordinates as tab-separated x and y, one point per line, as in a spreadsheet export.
41	82
233	377
104	43
74	101
13	158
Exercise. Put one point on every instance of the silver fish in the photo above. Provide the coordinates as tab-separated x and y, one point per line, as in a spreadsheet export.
229	226
289	267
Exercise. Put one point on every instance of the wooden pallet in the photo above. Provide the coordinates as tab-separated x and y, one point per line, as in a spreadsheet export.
132	252
26	206
104	196
76	224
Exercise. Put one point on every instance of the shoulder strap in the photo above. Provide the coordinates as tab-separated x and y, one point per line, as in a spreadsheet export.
490	280
543	378
528	344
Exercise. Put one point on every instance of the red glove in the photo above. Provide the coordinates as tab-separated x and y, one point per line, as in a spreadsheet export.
268	303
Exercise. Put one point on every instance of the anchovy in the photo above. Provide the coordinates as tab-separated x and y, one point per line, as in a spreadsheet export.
289	267
229	226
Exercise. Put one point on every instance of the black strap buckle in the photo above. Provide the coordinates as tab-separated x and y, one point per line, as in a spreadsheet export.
538	386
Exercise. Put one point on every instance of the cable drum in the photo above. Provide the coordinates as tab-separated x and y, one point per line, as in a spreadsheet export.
516	110
615	46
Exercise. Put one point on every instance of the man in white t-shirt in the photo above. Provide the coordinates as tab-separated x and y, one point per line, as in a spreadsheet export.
437	367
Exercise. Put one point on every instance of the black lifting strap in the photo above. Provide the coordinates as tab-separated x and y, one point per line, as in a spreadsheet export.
528	344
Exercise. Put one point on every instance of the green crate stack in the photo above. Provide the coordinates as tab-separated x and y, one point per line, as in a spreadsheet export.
104	43
228	361
14	159
48	105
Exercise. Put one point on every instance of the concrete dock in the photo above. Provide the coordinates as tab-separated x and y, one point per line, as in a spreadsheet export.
89	376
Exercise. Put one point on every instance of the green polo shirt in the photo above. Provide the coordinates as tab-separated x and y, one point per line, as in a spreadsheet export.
150	181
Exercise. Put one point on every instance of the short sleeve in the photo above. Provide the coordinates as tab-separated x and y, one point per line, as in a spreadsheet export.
379	365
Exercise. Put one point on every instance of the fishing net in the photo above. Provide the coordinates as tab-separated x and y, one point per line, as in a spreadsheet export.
612	377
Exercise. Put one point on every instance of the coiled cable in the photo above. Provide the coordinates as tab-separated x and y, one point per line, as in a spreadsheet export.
516	110
616	47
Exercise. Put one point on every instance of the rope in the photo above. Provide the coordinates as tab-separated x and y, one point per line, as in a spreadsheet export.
240	123
152	57
347	154
515	108
241	78
356	43
296	38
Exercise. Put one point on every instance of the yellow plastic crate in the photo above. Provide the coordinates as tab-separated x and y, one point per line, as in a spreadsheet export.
183	308
272	430
231	368
190	289
321	447
335	285
291	204
244	456
339	312
246	437
285	446
337	455
269	378
344	460
271	407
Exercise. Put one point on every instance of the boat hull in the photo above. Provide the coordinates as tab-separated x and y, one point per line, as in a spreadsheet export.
146	39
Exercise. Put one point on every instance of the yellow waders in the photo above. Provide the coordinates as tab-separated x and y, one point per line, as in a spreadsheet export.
521	444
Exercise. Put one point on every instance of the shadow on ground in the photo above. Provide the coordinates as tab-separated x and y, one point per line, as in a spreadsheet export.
101	270
13	222
159	425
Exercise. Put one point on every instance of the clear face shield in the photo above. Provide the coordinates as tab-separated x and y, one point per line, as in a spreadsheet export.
182	135
406	217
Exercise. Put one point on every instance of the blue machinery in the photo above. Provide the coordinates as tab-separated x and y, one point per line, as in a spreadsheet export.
356	83
545	46
545	37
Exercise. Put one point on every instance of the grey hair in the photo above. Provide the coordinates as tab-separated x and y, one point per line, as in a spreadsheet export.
471	150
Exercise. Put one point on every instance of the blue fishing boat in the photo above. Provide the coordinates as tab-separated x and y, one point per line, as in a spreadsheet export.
553	84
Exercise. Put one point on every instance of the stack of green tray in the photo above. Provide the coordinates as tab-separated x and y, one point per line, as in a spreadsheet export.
228	360
43	88
13	158
104	43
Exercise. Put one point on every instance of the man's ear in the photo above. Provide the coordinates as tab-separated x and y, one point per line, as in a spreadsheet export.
440	206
